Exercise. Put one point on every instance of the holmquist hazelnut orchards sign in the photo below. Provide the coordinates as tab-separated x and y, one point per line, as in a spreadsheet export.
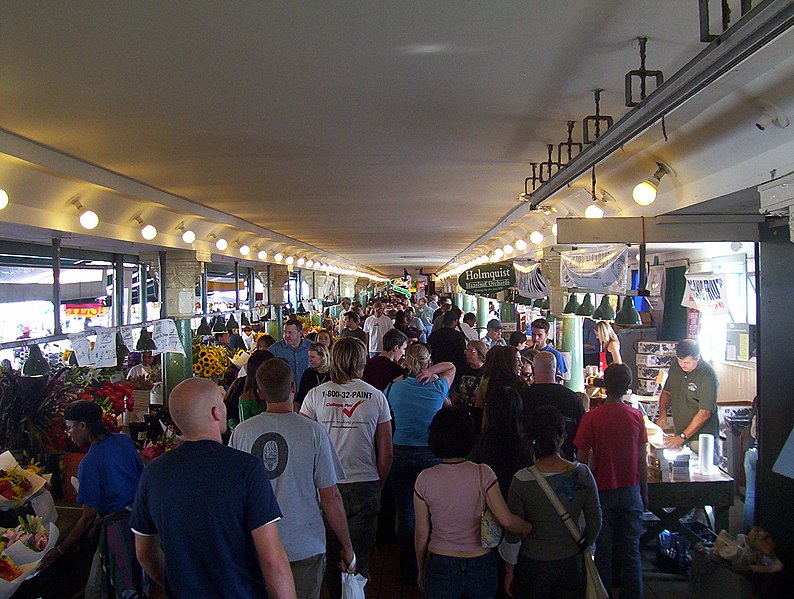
488	278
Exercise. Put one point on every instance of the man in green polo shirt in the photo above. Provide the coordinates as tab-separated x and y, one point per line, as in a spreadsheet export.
691	392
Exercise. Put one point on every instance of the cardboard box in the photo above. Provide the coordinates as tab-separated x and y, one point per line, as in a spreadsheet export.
654	361
646	387
659	348
649	373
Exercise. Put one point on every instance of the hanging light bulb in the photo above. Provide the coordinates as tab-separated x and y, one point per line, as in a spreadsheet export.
498	253
301	261
289	260
644	193
521	245
88	218
149	232
3	199
278	257
508	249
309	263
188	236
221	244
262	255
594	211
536	237
244	250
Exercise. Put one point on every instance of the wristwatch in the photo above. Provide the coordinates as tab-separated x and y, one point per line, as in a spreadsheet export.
683	436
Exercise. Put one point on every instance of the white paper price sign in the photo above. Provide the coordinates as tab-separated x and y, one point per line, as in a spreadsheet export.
126	337
81	348
104	353
166	337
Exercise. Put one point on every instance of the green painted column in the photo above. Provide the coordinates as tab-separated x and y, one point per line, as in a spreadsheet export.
468	303
459	300
482	314
571	341
181	272
507	314
176	367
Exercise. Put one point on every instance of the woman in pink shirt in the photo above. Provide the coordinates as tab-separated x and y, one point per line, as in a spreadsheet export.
448	501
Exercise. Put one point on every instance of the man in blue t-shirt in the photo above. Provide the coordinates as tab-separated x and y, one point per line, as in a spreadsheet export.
205	516
108	476
293	348
540	339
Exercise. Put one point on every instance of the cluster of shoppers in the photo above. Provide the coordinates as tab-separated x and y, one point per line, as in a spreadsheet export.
294	497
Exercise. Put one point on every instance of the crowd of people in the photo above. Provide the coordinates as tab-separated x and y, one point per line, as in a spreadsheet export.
281	482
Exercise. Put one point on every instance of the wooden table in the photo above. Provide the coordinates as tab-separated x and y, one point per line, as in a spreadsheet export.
671	501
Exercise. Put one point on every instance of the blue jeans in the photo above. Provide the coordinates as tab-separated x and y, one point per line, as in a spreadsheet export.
408	463
455	577
362	504
620	531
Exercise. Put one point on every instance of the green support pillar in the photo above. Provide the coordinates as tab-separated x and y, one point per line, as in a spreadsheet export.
468	303
482	314
507	312
177	367
459	300
571	342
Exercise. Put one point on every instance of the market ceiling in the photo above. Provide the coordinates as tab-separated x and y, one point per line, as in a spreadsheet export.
393	134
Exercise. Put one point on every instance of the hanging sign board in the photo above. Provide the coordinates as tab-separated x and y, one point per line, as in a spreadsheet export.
87	310
166	337
81	348
601	269
104	352
126	337
530	281
707	293
488	278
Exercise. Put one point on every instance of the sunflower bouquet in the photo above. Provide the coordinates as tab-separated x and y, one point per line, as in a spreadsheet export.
209	361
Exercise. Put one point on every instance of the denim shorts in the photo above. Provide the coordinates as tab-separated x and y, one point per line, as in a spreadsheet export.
455	577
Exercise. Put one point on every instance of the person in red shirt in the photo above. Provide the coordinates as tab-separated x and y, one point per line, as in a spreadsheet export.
613	440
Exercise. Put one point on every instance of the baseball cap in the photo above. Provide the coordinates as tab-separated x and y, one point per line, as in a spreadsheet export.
495	325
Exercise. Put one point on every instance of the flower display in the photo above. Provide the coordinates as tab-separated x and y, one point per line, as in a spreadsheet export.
31	532
209	360
166	442
14	485
8	569
113	398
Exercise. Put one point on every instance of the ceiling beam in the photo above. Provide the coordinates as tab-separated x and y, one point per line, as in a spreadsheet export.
756	29
660	229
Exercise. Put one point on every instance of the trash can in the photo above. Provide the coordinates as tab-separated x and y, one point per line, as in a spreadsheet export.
736	422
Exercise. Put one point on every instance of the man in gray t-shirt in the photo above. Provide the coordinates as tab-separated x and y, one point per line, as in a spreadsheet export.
302	465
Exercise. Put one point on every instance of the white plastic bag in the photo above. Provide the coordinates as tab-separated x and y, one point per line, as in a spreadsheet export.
353	584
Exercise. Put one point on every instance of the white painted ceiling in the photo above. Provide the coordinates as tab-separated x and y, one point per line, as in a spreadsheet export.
393	134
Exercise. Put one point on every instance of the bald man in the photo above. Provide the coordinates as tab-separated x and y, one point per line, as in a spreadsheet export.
545	391
205	515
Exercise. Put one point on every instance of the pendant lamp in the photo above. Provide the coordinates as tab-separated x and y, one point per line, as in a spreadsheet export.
36	364
538	303
546	304
244	322
203	328
586	308
145	342
219	325
572	306
231	324
121	350
605	311
628	313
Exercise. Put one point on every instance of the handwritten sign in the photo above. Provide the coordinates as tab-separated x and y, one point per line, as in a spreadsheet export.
81	348
126	337
166	337
104	354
